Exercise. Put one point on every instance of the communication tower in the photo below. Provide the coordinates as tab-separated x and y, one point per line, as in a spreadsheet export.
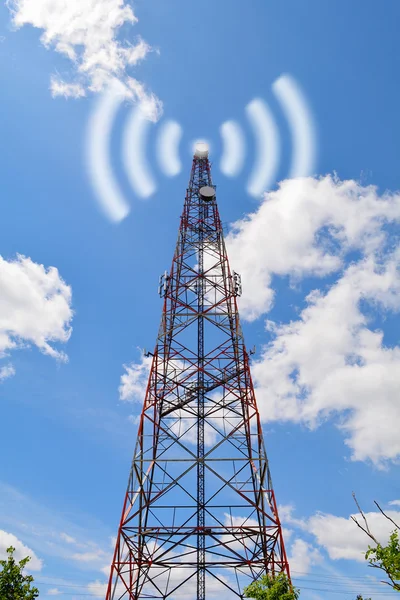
199	518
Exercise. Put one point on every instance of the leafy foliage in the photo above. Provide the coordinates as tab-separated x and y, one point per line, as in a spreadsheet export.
14	585
387	558
272	588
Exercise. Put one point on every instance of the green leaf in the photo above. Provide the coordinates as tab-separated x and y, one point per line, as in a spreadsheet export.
271	587
14	585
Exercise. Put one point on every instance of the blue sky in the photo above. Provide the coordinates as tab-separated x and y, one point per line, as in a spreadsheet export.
327	382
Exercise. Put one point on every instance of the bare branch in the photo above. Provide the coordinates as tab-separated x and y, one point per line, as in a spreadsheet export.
393	585
366	528
387	516
362	514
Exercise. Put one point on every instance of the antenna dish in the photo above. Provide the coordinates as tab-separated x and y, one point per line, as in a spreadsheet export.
207	193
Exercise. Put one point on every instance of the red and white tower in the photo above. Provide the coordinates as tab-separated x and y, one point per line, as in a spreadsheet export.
199	517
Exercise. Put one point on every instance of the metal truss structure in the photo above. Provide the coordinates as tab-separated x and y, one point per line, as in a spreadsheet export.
199	517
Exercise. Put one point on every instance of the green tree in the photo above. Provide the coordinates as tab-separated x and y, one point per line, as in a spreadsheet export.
14	585
272	588
386	558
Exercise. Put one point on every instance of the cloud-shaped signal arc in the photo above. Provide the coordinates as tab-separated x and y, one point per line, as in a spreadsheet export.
107	190
100	125
168	148
268	147
133	153
233	148
295	108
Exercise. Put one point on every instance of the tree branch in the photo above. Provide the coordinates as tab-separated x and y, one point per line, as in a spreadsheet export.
366	528
387	516
393	585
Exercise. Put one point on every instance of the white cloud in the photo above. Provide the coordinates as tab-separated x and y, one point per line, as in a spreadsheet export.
342	538
302	554
67	90
338	536
95	556
134	381
85	32
67	538
35	307
287	534
6	372
97	589
106	570
21	551
305	228
54	592
286	517
329	362
394	503
150	105
302	557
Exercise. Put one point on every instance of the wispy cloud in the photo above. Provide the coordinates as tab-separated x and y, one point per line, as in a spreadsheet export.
67	538
134	380
87	33
6	372
80	540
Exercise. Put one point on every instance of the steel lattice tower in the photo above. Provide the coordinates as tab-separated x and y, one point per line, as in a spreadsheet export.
199	517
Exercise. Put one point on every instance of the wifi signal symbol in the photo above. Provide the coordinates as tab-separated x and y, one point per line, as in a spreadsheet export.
268	148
